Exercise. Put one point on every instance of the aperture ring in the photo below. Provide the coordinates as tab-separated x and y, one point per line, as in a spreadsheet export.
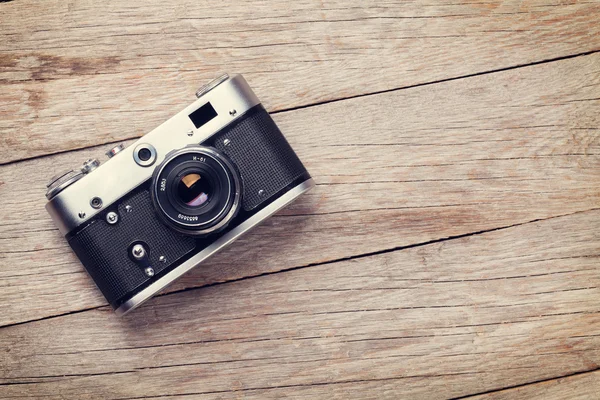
218	211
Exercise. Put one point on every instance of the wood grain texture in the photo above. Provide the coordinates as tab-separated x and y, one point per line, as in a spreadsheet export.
447	319
451	246
394	169
78	73
579	387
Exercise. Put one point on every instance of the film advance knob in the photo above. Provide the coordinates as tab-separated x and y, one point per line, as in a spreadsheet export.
117	149
61	181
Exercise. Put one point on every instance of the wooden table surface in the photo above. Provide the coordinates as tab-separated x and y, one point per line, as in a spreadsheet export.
450	248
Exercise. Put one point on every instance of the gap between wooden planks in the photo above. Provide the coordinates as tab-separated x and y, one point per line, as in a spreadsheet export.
78	74
581	386
448	319
394	169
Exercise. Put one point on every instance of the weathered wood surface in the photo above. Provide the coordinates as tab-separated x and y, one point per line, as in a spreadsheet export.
436	321
578	387
450	248
393	169
80	73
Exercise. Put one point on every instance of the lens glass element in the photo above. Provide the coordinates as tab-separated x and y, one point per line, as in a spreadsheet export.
193	190
144	154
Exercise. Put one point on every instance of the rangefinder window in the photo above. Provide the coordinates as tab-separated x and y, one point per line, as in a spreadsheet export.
202	115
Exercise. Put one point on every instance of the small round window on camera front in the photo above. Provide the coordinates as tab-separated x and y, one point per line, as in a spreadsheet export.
96	202
144	154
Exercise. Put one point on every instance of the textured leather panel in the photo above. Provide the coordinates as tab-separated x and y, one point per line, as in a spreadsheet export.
264	158
103	248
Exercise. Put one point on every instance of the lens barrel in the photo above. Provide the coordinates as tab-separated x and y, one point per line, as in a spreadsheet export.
196	190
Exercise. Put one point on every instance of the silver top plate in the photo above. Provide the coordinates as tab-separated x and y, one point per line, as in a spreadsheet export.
119	175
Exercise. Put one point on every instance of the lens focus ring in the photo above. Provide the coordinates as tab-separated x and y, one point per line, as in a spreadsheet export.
196	190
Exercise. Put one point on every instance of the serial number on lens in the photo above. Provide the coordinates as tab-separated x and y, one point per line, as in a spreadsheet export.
187	217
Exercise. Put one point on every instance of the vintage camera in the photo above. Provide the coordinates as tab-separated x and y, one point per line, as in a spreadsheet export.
182	192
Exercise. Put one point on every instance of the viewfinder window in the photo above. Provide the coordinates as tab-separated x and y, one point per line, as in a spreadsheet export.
202	115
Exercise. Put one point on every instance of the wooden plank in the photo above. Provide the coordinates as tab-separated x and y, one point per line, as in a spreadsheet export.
446	319
579	387
80	73
392	170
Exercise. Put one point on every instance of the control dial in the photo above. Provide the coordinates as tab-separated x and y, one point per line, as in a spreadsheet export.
61	181
211	85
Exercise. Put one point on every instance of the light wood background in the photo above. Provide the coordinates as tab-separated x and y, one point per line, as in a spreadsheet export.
450	249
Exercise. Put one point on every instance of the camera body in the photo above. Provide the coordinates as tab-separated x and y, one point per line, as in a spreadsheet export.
178	195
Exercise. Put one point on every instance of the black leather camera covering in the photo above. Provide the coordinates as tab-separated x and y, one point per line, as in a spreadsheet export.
261	154
268	167
104	249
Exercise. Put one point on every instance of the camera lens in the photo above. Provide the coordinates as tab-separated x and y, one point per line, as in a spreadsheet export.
193	190
196	190
144	154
